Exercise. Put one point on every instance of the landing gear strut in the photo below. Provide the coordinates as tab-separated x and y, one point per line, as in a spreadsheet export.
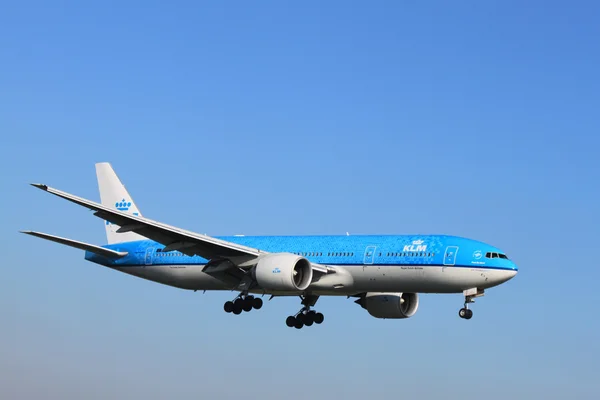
306	316
470	296
243	302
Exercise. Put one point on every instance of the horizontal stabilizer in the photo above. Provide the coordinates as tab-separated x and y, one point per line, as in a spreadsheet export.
101	251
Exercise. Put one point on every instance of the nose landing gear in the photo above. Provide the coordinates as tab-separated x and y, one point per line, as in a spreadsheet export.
470	295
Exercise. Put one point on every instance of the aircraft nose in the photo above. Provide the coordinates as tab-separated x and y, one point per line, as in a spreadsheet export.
512	272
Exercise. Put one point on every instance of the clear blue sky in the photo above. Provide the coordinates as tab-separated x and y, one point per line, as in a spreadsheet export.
474	118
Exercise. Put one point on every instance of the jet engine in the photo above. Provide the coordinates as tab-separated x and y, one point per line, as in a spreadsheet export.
283	271
390	305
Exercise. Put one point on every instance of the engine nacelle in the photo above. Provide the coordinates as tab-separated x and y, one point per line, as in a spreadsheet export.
390	305
283	271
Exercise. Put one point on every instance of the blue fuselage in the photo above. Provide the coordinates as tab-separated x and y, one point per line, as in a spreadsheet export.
408	261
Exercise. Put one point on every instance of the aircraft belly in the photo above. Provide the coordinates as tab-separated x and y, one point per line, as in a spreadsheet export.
394	278
180	276
420	278
348	280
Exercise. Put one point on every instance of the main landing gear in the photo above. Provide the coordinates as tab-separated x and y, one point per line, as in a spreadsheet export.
243	302
306	316
470	296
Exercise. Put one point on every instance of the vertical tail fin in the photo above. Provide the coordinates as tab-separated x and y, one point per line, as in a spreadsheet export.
113	194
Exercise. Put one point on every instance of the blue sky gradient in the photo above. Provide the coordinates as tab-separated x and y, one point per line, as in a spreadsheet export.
477	119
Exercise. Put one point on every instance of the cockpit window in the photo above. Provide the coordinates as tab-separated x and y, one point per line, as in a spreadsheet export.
496	255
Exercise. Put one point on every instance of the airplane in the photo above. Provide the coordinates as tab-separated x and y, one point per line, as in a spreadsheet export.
384	273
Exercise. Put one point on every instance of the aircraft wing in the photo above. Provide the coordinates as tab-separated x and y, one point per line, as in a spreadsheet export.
104	252
173	238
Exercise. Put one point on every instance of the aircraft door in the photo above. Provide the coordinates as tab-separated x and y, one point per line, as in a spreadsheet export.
369	255
149	254
450	255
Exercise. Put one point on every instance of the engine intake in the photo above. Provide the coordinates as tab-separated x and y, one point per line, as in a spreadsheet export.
390	305
283	271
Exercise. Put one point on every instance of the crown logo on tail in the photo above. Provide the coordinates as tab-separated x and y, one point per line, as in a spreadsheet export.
123	205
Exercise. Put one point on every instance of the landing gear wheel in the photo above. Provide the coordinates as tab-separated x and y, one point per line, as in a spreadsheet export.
309	318
247	305
290	321
228	307
300	318
257	303
238	306
465	313
298	324
319	318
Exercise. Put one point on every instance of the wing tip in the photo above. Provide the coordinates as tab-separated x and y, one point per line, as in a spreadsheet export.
40	186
